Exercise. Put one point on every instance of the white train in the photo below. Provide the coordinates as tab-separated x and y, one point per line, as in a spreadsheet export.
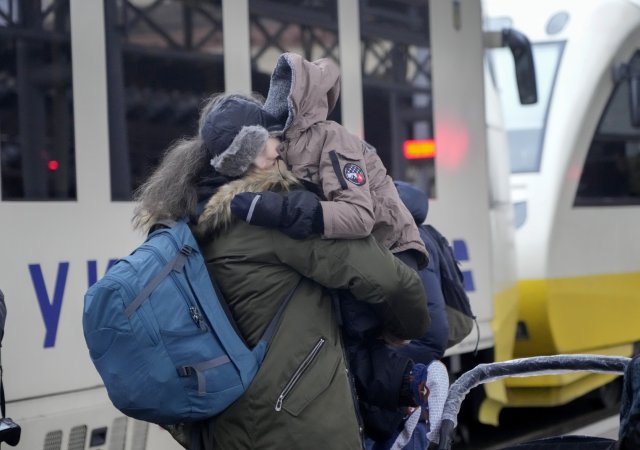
92	91
575	173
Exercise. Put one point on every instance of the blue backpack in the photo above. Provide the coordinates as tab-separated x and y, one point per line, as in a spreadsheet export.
161	338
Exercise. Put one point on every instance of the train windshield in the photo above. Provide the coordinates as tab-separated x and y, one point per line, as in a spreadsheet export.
525	124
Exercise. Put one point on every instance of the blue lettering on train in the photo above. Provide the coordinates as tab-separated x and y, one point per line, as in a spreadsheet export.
50	307
462	254
92	270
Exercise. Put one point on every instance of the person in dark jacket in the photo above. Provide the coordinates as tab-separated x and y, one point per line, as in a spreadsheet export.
433	344
301	397
430	347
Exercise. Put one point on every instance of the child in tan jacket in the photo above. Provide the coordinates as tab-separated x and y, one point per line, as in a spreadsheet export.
350	196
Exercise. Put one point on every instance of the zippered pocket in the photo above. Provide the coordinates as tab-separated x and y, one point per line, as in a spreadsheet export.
181	248
304	365
188	295
163	262
312	377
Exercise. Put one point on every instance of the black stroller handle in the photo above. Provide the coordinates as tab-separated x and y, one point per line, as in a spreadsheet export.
537	365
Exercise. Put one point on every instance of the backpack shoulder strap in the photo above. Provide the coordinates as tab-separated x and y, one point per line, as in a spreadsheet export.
448	261
275	321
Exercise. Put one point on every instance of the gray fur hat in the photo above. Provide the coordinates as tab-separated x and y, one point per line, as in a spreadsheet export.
234	132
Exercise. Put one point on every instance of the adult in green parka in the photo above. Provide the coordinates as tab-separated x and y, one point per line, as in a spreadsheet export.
302	396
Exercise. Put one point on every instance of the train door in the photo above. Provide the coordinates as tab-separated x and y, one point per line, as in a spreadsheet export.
471	153
473	202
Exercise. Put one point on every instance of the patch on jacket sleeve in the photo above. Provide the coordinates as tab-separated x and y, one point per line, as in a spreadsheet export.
354	173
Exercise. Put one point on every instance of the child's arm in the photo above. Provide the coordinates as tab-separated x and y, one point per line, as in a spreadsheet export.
297	214
344	180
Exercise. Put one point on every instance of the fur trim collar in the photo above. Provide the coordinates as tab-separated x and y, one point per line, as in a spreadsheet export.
217	214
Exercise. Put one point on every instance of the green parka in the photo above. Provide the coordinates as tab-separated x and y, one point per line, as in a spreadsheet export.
302	396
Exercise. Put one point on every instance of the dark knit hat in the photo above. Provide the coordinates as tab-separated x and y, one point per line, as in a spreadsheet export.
234	132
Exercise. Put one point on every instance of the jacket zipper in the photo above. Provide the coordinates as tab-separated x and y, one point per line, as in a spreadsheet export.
306	362
197	317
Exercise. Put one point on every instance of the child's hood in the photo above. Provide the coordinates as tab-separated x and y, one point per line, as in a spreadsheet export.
416	201
302	93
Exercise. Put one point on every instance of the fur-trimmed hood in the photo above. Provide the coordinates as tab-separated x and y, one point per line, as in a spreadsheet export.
301	92
217	214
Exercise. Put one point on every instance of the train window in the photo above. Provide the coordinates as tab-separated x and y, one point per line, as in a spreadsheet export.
37	155
307	28
396	82
611	173
526	124
164	58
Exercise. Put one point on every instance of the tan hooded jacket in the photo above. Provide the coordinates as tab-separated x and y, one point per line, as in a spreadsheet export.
362	198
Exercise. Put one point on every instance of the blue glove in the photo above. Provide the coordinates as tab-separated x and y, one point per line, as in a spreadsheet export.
298	214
